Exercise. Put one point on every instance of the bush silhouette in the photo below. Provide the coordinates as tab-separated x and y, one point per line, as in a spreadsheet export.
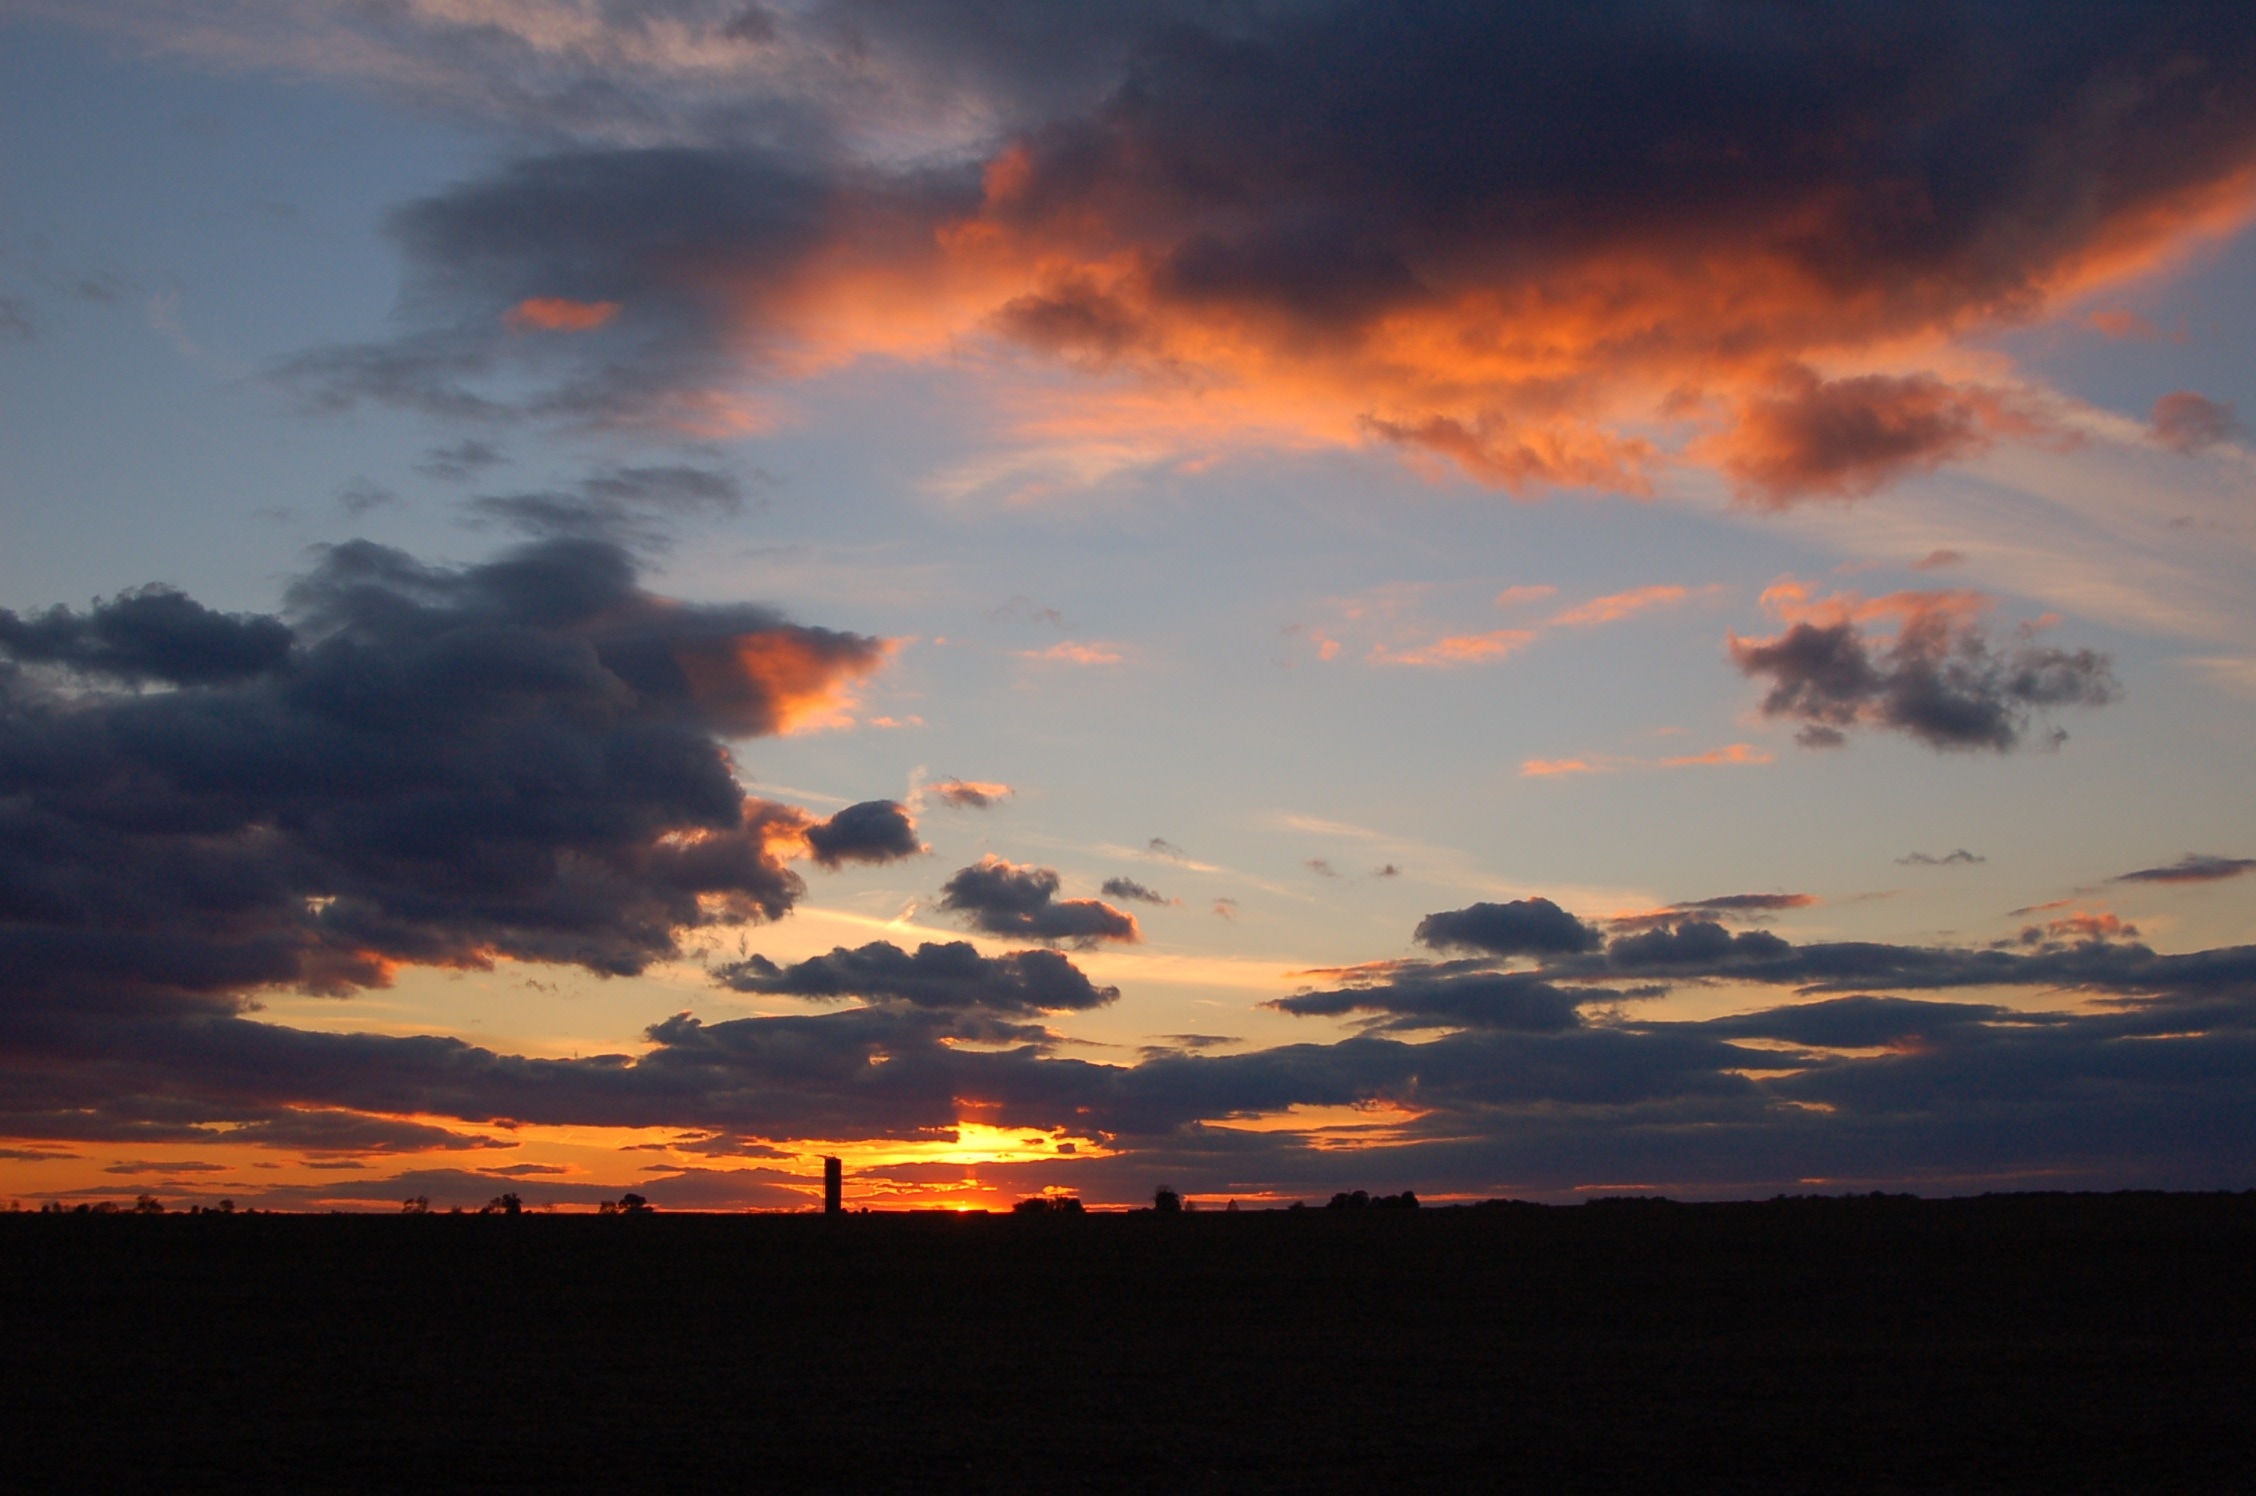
1166	1201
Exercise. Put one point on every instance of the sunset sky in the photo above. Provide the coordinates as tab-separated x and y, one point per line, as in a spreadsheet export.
1266	596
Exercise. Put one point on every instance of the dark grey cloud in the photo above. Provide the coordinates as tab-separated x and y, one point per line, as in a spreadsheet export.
952	976
519	759
1938	679
2193	867
457	461
875	831
681	244
1535	1077
1959	858
1529	927
150	634
1740	906
1409	997
1129	888
632	505
1003	898
2186	422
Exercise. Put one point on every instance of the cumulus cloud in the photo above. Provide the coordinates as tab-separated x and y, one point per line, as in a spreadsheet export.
1408	997
874	831
951	977
1531	927
1433	224
421	765
2186	422
1004	898
2191	868
1937	677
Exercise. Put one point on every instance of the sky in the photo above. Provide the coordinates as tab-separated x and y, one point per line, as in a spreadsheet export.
1263	597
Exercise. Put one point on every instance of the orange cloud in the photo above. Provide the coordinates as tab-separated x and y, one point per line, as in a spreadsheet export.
779	680
1070	653
1616	606
1774	280
558	314
1463	649
1736	753
1544	768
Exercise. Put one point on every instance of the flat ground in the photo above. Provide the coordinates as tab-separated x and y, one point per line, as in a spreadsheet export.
2011	1342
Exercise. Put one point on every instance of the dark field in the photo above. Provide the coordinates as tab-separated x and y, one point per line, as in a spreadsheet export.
2027	1342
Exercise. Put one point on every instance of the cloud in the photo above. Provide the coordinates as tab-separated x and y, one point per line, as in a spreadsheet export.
1937	678
1003	898
1067	652
153	635
1279	221
2191	868
558	314
1959	858
1936	560
1409	998
875	831
360	496
1528	927
1845	438
521	759
1129	888
1751	906
1464	649
948	977
630	505
1617	606
1542	1077
1320	867
459	460
1547	768
1733	753
16	324
969	794
2186	422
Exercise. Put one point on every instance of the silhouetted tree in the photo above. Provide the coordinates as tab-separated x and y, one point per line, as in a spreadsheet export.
627	1204
148	1205
1166	1201
416	1205
1048	1205
225	1207
507	1205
